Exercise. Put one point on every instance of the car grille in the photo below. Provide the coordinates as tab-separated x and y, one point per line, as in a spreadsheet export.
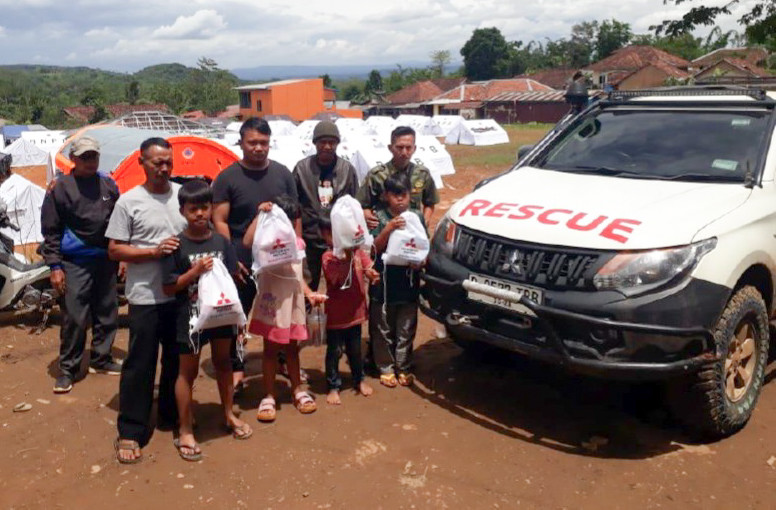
546	267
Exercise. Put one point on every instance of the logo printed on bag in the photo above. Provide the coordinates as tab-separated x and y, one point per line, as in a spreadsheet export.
223	301
411	243
279	245
358	238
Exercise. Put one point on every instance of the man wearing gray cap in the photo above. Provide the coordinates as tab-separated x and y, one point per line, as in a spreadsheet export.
74	217
320	180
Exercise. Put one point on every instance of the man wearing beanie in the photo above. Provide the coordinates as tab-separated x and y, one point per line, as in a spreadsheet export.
320	180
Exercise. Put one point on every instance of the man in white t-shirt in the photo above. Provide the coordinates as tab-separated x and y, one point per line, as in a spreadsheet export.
142	230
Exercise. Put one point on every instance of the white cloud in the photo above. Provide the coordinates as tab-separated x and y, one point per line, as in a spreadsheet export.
202	24
72	56
2	30
245	33
101	33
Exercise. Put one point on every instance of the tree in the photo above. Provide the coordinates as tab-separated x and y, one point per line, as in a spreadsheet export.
612	35
374	83
759	19
100	114
352	92
486	54
581	45
133	92
439	59
326	80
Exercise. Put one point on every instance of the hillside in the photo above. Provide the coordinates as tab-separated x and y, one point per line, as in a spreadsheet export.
34	94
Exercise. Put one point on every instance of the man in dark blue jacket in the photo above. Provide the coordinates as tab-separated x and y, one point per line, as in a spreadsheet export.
74	217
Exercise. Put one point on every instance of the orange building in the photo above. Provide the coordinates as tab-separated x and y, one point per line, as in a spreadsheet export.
300	99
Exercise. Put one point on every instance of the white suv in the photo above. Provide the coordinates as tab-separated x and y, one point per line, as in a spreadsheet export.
637	240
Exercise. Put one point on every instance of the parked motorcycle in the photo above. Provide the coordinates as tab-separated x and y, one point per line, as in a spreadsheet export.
24	287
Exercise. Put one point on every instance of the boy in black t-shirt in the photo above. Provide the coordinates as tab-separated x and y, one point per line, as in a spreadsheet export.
199	245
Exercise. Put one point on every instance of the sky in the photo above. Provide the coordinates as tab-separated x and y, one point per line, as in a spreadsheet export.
127	36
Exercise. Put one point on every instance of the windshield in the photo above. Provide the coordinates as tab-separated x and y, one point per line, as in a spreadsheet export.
713	146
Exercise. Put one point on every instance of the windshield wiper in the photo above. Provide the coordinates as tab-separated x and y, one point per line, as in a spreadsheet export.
701	177
604	170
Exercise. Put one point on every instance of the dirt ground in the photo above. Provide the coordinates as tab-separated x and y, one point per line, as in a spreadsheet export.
480	432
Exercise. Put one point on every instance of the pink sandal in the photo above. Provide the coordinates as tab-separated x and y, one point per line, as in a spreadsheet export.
266	412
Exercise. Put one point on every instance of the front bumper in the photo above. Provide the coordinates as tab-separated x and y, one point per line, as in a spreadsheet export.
655	336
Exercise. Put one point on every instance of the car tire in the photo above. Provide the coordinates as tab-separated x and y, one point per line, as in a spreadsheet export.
718	400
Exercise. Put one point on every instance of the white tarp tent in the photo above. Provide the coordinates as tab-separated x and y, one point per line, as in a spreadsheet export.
420	123
433	156
25	153
382	127
353	129
478	132
281	127
51	164
366	158
447	123
230	140
287	150
24	200
304	131
45	140
234	126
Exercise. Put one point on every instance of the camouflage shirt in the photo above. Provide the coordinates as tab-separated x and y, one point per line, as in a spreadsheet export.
422	194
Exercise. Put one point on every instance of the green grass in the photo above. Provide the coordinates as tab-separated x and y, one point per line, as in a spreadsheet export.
498	157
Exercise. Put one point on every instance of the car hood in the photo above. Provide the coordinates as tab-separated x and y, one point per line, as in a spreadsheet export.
594	211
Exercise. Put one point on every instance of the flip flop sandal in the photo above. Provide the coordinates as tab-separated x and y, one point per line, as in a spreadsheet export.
242	432
191	457
126	445
388	380
266	412
406	379
304	403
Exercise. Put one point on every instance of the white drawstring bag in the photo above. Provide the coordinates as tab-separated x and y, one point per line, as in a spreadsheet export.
408	245
348	226
274	242
217	300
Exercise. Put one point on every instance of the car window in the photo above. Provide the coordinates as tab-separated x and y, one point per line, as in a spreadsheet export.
716	145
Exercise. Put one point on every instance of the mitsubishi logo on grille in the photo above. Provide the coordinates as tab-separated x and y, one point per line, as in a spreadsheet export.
515	263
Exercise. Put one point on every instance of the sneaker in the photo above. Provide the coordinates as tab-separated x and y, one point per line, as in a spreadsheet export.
110	368
63	384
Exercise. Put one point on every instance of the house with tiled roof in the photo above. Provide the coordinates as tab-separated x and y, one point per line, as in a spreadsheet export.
731	68
468	98
636	67
412	98
558	78
756	57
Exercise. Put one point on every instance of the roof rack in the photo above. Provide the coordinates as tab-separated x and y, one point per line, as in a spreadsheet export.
692	91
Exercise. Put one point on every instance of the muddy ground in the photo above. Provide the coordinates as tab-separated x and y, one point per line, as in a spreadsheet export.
481	432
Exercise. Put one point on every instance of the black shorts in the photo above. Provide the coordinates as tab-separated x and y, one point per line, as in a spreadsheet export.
194	344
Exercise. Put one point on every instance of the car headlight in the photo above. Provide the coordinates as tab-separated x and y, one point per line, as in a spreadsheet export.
635	272
445	236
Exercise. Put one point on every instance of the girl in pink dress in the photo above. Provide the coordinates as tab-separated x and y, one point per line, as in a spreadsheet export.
279	316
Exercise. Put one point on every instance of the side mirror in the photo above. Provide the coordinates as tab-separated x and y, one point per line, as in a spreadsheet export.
523	150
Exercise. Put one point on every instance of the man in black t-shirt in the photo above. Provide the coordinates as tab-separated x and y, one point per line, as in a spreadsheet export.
237	193
320	180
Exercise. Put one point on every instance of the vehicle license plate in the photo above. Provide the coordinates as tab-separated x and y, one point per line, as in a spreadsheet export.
531	293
